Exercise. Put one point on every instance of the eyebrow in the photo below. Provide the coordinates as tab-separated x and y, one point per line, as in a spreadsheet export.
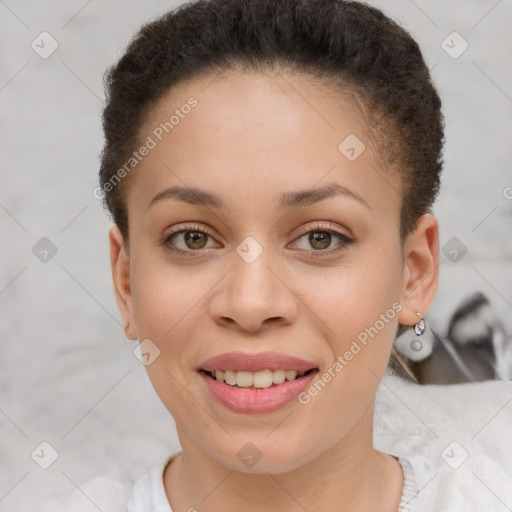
301	198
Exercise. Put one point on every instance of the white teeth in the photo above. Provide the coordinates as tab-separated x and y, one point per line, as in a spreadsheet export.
230	377
278	376
290	374
262	379
244	379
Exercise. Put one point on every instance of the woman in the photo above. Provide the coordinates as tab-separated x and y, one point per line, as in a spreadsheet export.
270	167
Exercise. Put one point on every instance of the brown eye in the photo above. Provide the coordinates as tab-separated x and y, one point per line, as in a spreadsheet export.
195	239
188	241
320	239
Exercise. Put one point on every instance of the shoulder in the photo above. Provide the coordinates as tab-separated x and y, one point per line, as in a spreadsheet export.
148	492
457	438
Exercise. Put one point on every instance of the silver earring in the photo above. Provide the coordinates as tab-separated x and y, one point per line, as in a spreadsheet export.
420	327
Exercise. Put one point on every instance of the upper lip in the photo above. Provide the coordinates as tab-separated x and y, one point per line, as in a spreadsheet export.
256	362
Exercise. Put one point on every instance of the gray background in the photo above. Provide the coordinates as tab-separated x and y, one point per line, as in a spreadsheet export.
68	375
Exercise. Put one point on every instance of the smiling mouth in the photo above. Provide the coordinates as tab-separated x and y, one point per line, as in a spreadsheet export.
256	380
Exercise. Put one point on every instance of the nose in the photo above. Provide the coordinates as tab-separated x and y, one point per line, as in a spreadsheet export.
254	296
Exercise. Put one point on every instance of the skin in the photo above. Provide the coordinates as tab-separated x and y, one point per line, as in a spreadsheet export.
252	137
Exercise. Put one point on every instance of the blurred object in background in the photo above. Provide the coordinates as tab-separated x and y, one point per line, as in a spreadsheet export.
476	348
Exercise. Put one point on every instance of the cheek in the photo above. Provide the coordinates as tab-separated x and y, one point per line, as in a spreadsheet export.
167	302
363	317
162	293
359	312
352	298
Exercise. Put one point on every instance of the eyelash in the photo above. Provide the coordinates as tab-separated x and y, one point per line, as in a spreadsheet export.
324	228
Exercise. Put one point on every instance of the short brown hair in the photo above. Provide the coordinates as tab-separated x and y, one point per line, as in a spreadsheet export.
344	42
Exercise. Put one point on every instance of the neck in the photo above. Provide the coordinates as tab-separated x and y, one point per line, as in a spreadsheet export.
351	475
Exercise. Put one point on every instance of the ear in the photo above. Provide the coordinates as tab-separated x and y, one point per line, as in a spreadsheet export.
421	270
120	265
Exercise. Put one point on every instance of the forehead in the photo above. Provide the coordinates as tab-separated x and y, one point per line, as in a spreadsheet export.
251	132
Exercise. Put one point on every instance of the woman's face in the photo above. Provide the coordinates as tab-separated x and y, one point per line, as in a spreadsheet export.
290	245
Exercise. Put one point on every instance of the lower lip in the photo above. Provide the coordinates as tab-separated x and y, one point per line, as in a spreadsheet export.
254	401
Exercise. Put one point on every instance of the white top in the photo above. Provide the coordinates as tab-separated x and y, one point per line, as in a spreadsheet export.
454	444
149	494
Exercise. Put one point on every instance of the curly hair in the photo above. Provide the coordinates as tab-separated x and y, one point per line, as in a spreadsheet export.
348	44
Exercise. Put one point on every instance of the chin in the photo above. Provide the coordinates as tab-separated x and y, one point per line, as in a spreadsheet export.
265	457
